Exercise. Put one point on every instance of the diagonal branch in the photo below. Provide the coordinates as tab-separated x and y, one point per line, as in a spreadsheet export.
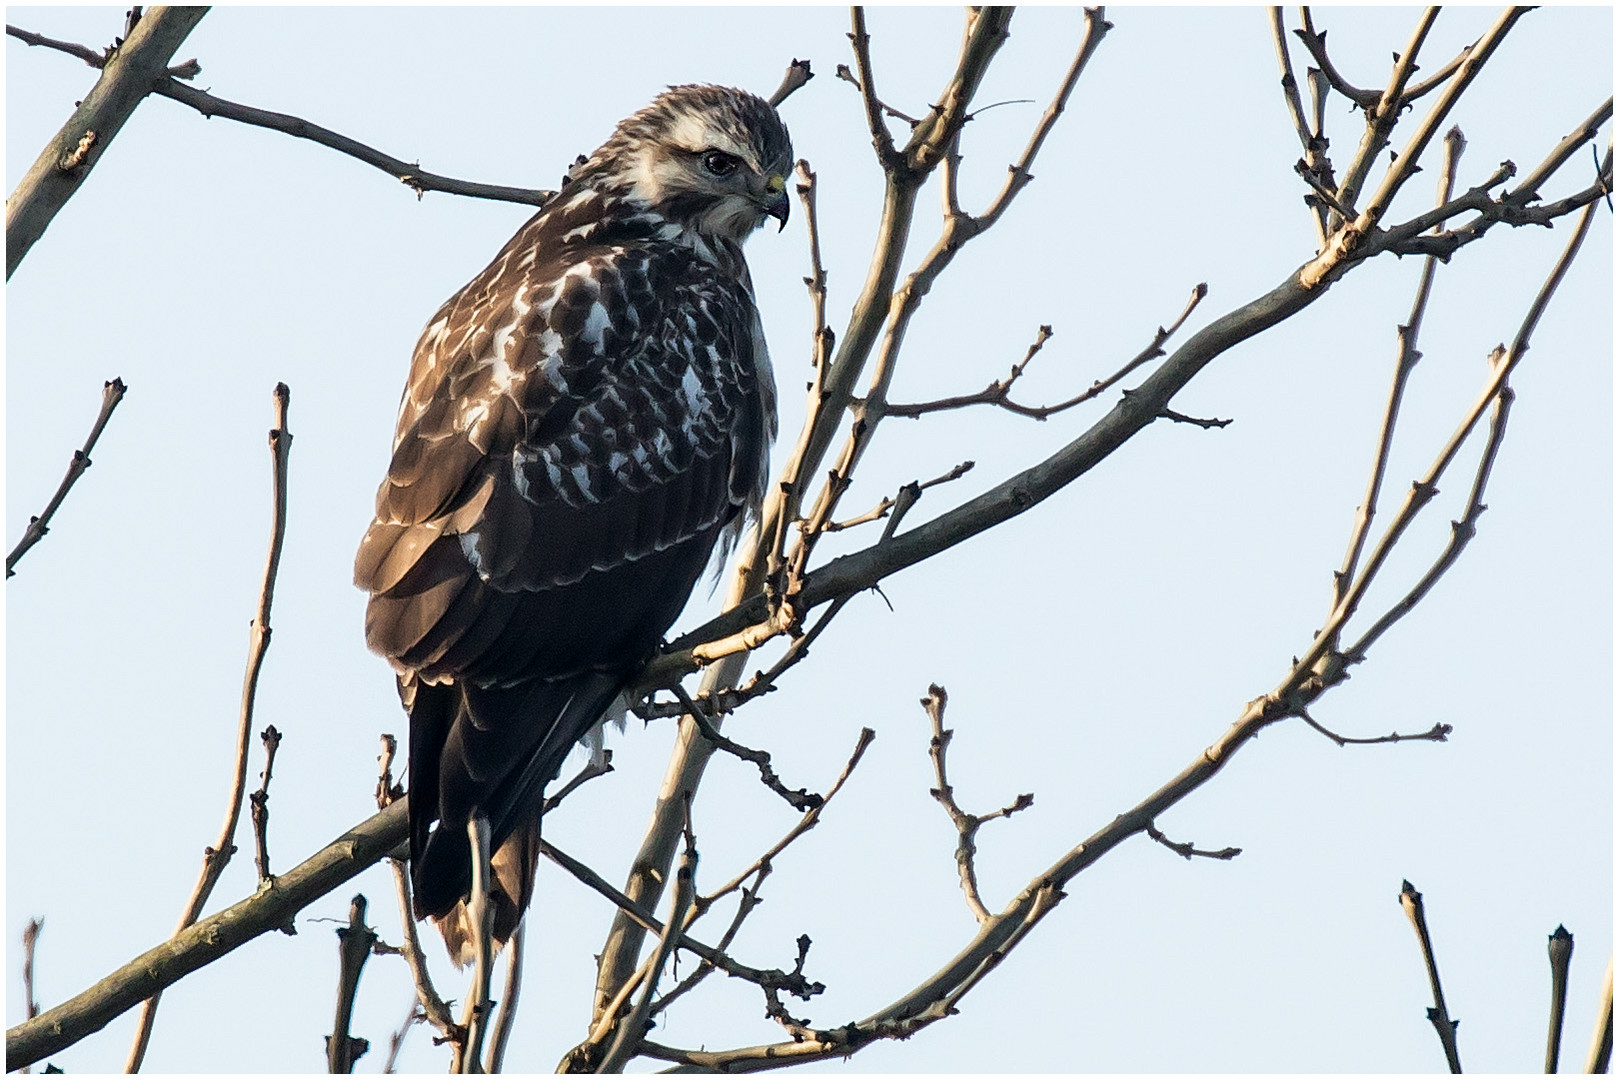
1405	362
111	394
67	160
409	174
268	909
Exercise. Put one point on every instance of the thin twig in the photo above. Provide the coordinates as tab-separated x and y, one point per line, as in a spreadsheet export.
407	173
1405	361
1559	950
1311	144
633	1027
1187	851
353	950
434	1010
798	73
915	489
1317	45
1496	393
996	392
216	857
83	52
881	141
800	800
592	769
1437	733
1411	901
811	818
967	825
507	1017
111	394
647	921
1596	1060
259	804
396	1041
30	939
1204	422
849	77
387	789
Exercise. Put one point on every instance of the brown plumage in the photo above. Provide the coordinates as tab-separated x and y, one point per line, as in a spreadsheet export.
582	423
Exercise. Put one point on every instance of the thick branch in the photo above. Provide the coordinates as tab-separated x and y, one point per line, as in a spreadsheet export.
67	160
270	908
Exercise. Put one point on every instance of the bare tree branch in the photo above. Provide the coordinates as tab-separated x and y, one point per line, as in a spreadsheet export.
1559	950
798	73
259	804
632	1028
1188	852
507	1017
67	160
1437	733
1411	901
1316	43
967	825
111	394
1596	1060
1405	361
267	909
396	1041
409	174
353	950
83	52
215	858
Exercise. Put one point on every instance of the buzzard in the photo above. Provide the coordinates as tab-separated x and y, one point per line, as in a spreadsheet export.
584	421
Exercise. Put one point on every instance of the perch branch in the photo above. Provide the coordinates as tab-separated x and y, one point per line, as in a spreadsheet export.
111	394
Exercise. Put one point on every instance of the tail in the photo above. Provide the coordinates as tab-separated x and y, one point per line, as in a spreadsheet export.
490	752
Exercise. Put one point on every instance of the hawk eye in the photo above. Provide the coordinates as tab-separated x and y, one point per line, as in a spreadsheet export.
719	163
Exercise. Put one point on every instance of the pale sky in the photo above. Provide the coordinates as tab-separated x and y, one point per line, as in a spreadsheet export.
1091	647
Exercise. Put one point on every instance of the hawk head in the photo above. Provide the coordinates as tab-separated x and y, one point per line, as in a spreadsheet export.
710	159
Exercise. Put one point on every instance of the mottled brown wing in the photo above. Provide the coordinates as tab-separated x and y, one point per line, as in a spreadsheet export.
565	418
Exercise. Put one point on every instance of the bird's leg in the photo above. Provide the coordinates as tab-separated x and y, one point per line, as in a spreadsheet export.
479	1006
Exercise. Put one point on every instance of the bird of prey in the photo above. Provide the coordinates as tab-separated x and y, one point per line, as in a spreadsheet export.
584	421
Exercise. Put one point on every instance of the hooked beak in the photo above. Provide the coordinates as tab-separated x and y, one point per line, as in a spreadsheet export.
777	204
